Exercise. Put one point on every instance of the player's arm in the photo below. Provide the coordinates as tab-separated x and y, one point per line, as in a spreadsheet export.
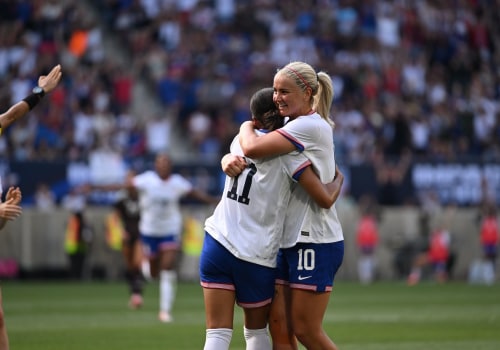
46	83
270	144
325	195
202	197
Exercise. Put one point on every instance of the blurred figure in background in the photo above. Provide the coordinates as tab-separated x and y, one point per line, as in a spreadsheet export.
45	200
160	192
127	210
367	238
436	255
78	234
483	271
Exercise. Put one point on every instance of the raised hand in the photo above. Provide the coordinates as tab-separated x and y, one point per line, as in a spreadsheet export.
49	82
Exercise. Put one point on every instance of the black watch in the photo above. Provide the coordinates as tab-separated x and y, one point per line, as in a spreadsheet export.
37	90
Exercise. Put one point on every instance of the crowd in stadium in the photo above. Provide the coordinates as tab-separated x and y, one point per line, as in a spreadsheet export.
412	78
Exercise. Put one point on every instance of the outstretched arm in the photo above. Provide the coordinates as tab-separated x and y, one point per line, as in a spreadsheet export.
325	195
271	144
203	197
47	83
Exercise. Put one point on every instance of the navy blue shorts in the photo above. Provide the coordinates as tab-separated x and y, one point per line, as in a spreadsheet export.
253	284
152	244
310	266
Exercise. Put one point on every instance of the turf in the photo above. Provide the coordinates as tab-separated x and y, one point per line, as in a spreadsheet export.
384	316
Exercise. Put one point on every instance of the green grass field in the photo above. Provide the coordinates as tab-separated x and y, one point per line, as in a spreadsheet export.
384	316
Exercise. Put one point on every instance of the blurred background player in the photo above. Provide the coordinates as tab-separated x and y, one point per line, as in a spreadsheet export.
436	256
128	212
483	270
160	192
160	223
367	238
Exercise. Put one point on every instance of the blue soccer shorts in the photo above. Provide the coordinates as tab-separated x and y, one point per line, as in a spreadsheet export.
153	244
310	266
253	284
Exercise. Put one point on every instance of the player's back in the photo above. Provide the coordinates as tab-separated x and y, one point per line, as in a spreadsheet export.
248	220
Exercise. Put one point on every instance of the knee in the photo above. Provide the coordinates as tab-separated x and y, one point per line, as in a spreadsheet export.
305	333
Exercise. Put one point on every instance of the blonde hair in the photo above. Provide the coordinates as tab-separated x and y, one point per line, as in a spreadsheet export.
320	84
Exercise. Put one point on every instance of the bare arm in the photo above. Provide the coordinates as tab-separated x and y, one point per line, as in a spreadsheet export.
203	197
325	195
46	82
271	144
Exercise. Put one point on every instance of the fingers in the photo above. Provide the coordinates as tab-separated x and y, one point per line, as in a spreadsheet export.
10	211
233	165
14	195
49	82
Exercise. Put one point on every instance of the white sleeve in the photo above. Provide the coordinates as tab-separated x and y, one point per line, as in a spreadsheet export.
302	132
294	163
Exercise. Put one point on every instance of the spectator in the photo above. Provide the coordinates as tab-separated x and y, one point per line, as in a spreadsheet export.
367	239
45	199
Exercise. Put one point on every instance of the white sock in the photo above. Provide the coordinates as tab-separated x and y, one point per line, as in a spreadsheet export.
146	270
168	281
218	339
257	339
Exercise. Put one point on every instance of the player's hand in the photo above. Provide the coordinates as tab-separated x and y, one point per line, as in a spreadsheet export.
233	165
14	194
49	82
9	211
247	125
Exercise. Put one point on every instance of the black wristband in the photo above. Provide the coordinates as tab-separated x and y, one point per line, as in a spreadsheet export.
32	100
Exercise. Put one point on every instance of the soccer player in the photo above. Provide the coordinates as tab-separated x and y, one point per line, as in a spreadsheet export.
128	211
238	259
160	224
313	246
10	209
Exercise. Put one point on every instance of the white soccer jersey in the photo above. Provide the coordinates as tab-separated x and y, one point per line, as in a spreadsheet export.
248	221
305	220
159	203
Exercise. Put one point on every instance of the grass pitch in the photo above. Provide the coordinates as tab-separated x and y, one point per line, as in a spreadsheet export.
384	316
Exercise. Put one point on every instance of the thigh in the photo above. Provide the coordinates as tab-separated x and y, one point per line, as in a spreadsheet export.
168	259
308	309
137	254
219	308
280	325
257	318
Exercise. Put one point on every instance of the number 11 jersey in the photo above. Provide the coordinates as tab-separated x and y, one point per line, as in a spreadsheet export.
248	221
